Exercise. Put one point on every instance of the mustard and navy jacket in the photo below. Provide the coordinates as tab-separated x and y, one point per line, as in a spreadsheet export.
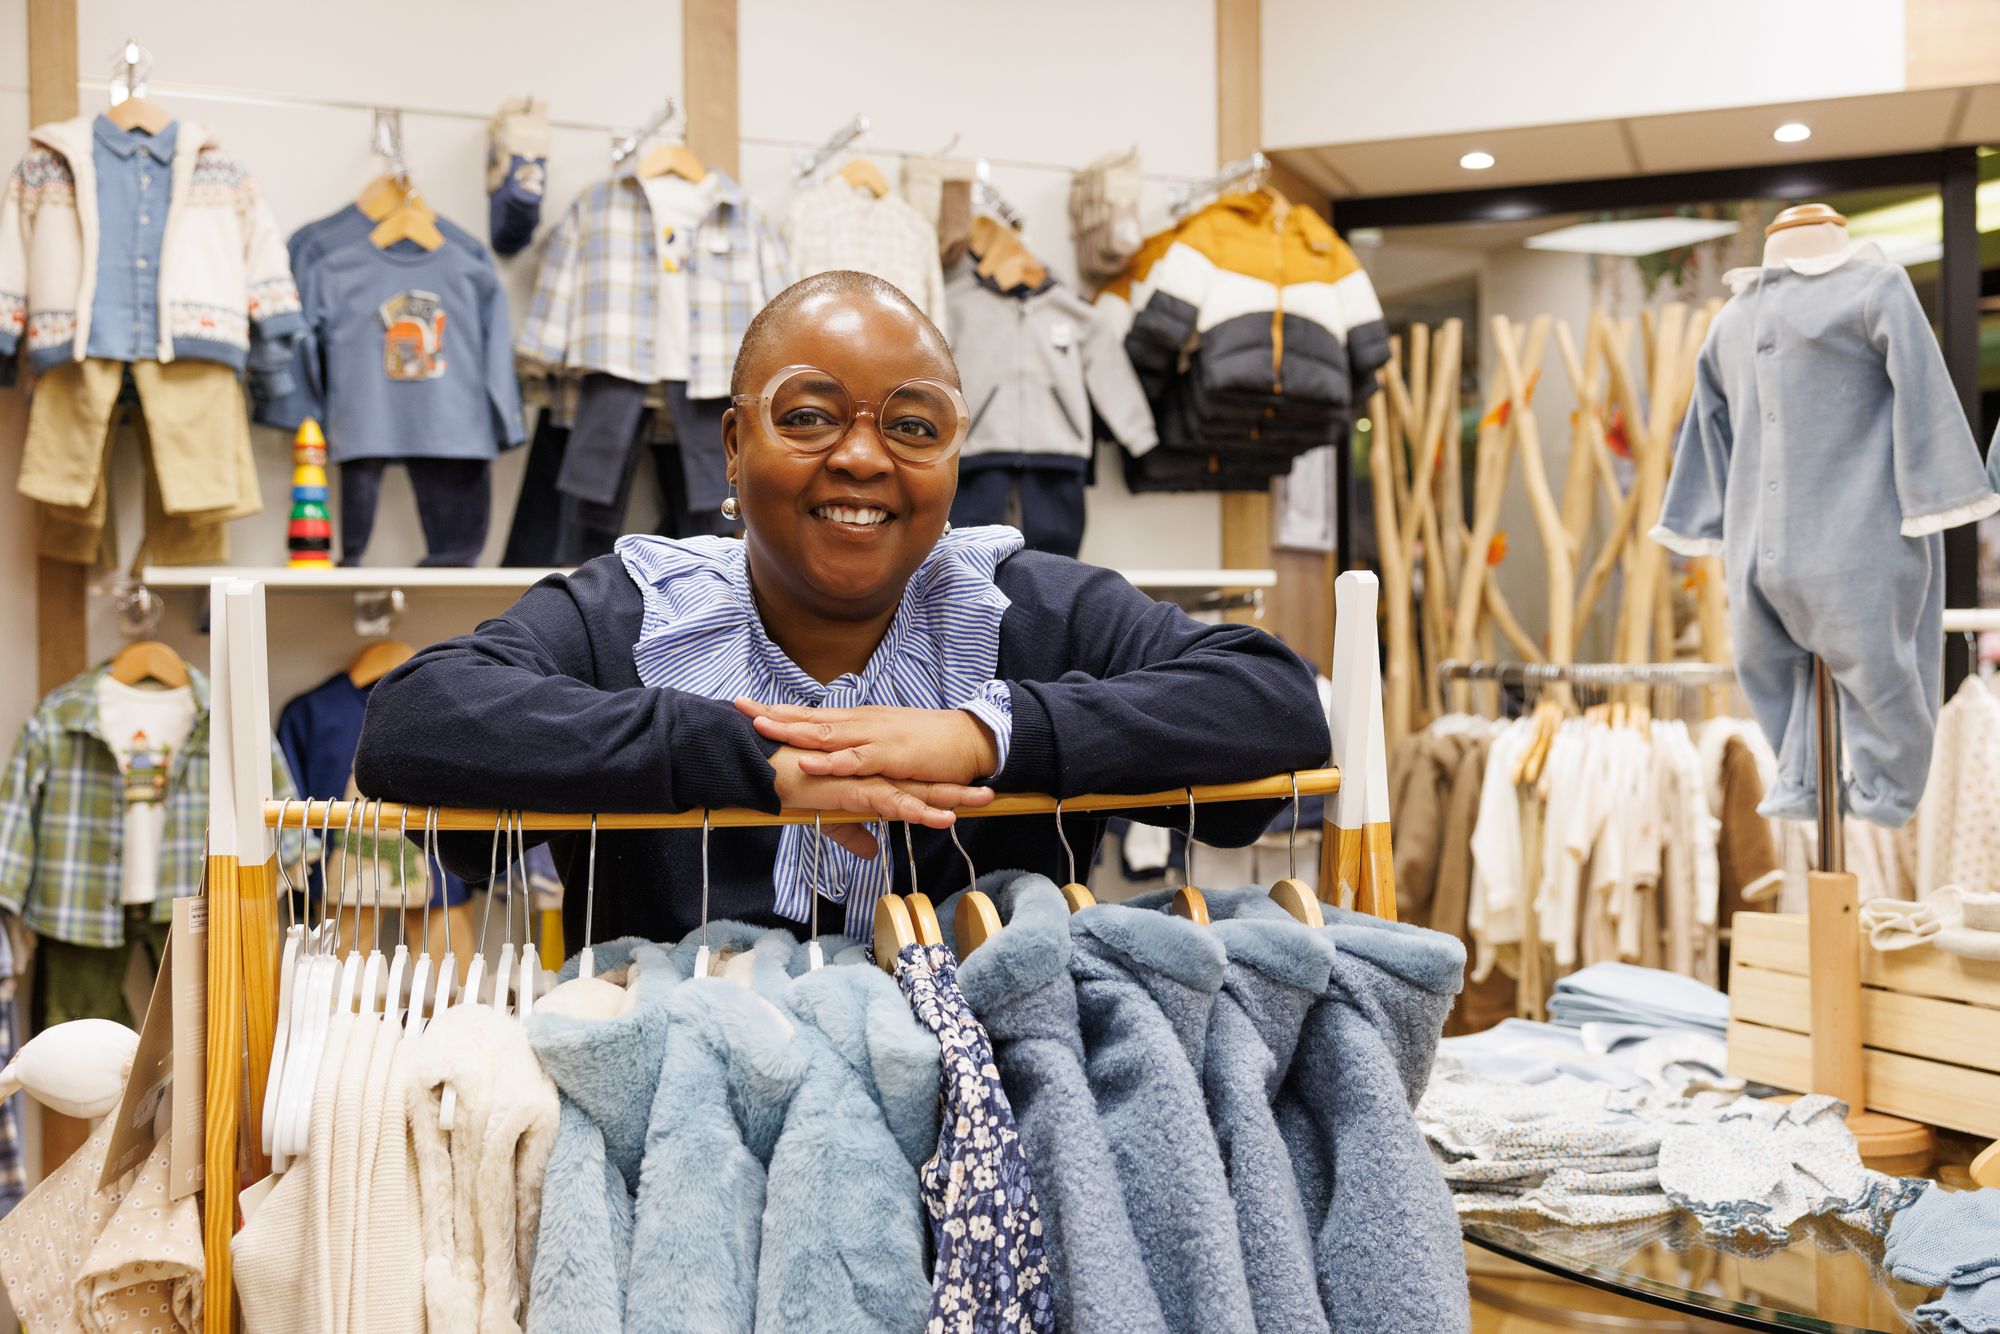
1255	332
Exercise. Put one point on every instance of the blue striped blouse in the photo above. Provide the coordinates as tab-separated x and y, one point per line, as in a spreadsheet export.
701	634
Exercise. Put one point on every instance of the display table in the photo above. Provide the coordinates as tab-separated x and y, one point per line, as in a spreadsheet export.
1825	1277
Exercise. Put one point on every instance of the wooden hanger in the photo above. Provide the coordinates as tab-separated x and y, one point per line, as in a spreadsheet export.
149	660
862	174
895	931
923	916
140	113
407	224
676	158
385	194
976	922
377	660
1292	895
1078	897
1003	257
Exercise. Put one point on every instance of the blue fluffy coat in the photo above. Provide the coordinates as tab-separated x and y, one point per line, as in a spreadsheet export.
1019	985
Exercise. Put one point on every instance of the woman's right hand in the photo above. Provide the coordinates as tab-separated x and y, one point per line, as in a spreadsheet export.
929	804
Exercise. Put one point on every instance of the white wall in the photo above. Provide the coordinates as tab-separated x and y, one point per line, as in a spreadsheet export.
925	73
298	113
1341	71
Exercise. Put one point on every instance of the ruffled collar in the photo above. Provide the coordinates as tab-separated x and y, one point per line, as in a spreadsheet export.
1812	266
701	632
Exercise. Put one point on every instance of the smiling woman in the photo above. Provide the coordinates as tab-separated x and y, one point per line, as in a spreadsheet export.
851	652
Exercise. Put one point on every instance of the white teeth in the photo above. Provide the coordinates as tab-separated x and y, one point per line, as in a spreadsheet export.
847	514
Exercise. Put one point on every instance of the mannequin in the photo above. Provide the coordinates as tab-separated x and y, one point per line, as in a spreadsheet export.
1804	231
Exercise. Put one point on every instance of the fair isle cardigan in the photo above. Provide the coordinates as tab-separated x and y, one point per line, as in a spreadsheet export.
222	262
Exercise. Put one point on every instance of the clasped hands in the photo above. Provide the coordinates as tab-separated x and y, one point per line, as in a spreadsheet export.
916	765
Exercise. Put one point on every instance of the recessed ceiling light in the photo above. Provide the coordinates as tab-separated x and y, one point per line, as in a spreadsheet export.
1792	132
1632	237
1476	161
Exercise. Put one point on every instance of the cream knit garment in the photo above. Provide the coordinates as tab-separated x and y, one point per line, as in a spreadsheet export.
283	1256
392	1257
343	1196
480	1187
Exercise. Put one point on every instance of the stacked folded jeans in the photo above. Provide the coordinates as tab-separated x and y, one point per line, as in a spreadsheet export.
1623	993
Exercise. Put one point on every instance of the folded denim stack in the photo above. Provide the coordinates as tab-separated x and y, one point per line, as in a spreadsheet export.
1951	1240
1622	993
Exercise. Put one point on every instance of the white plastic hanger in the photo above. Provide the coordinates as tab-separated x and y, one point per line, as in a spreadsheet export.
447	972
313	1012
586	961
371	975
476	973
350	963
815	960
295	939
392	997
503	976
531	961
420	976
700	968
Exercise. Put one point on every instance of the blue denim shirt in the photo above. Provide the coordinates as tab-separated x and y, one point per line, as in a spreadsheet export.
134	180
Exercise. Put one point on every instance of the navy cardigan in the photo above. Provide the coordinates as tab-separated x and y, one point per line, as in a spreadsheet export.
542	709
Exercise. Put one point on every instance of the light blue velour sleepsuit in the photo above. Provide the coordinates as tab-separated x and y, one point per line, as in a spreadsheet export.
1823	454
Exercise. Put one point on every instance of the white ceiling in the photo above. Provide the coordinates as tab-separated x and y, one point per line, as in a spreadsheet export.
1690	141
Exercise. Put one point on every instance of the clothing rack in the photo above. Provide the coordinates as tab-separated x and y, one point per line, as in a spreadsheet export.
1971	620
130	70
241	878
1589	673
1248	172
834	145
629	145
987	198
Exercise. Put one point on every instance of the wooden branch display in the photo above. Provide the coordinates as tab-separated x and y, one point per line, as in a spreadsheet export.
1441	598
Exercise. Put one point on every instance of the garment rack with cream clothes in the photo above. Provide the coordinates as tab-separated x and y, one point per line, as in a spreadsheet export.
241	871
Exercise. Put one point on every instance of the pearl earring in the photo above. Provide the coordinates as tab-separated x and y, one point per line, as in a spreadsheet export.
730	508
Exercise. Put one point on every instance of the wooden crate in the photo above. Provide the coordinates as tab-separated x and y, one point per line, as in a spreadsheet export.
1930	1024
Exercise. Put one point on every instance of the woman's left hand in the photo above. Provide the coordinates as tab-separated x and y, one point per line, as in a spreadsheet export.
929	745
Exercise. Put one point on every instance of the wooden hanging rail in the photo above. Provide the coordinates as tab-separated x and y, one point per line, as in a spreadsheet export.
1311	783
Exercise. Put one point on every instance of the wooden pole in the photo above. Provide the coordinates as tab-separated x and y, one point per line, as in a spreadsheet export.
1398	687
62	640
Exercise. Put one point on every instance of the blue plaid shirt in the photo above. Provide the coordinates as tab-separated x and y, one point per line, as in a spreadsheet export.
594	307
62	818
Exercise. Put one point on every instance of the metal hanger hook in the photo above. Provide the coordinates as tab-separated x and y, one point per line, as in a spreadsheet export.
1292	844
704	877
1062	836
492	878
1190	837
590	873
910	851
971	874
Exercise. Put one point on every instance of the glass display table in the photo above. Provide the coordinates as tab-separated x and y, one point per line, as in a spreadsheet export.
1824	1277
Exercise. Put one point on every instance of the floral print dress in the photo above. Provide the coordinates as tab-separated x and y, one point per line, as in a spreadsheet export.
992	1274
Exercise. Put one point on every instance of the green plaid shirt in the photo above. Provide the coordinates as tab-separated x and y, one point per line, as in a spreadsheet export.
62	818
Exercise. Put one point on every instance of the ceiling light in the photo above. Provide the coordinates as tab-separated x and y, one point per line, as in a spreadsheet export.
1633	236
1476	160
1792	132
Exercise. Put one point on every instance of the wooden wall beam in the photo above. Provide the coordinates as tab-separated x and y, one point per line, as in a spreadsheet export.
709	81
1239	129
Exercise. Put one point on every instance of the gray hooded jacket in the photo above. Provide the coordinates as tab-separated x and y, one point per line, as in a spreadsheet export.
1145	986
1018	983
1387	1247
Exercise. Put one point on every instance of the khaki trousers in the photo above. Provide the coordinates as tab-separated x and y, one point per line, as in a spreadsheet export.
194	436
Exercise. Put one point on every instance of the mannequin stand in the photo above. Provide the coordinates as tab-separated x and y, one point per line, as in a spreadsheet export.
1887	1143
